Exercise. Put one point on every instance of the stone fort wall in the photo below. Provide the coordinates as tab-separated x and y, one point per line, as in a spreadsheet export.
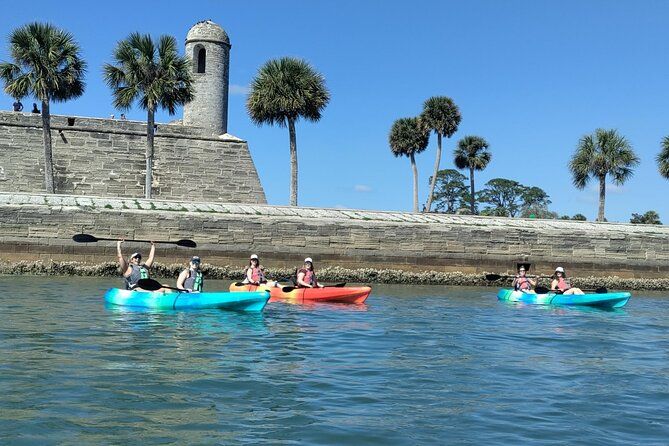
103	157
40	227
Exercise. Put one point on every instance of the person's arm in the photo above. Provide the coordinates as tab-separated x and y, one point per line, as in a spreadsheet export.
301	282
152	254
515	281
554	284
122	264
532	282
249	276
182	278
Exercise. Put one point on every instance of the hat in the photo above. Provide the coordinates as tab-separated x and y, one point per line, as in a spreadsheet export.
521	268
195	259
308	259
136	254
254	256
559	269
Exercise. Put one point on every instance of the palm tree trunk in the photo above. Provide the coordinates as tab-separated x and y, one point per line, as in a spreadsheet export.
602	197
472	201
434	175
415	182
293	163
150	134
48	153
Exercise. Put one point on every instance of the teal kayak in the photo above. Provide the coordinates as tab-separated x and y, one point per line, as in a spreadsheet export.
603	300
159	300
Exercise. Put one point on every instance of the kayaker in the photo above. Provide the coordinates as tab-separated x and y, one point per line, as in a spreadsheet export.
132	269
306	277
523	283
561	283
255	272
191	278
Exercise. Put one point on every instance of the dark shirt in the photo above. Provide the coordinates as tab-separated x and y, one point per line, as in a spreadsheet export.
18	106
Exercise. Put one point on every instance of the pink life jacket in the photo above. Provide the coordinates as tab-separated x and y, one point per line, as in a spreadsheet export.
257	275
523	283
562	284
309	276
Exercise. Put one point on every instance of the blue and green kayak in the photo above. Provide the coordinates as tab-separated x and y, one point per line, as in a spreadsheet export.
602	300
159	300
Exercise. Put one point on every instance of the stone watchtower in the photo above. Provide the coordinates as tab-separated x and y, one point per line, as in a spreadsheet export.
208	46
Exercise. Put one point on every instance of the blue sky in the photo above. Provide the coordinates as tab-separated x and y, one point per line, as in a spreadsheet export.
530	76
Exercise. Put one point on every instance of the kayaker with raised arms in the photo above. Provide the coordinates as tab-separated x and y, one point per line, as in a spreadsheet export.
191	278
306	277
523	283
131	269
561	283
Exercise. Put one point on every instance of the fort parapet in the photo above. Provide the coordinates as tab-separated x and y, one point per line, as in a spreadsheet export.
106	158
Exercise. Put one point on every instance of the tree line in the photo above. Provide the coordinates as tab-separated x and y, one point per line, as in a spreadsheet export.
600	156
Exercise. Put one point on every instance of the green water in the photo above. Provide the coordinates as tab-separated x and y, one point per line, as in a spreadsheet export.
416	365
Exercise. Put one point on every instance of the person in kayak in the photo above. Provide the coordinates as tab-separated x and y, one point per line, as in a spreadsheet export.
306	277
523	283
561	283
132	269
255	272
191	278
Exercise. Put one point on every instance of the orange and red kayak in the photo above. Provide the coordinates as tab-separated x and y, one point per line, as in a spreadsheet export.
352	295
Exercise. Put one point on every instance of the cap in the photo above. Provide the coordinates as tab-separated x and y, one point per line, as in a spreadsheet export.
522	268
136	254
254	256
308	259
195	259
559	269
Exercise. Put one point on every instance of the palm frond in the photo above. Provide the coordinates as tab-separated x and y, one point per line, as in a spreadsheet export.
663	158
441	115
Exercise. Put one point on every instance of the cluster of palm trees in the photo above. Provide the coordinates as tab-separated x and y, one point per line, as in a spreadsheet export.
409	136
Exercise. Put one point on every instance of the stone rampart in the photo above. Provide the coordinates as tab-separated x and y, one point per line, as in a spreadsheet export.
40	227
104	157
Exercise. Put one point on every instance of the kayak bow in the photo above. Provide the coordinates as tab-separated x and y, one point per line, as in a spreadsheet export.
602	300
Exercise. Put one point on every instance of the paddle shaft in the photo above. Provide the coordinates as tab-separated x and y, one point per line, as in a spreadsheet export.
138	241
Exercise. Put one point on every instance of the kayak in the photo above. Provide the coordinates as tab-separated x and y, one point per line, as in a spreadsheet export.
351	295
602	300
180	301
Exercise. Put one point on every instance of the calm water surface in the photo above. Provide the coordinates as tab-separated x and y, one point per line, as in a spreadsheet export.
416	365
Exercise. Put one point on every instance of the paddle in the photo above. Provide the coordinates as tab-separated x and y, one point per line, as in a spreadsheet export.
154	285
544	290
288	289
287	279
493	277
87	238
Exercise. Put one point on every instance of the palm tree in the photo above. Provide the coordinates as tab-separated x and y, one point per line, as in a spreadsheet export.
472	153
601	154
154	76
663	158
409	136
440	114
47	65
283	91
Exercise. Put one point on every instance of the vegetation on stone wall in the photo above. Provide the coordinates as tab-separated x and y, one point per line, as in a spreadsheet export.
649	218
47	65
283	91
153	75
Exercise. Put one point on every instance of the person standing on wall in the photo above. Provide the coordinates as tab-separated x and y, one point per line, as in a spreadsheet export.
18	106
35	109
131	269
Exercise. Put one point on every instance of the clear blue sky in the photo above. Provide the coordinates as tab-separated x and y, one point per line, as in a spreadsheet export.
530	76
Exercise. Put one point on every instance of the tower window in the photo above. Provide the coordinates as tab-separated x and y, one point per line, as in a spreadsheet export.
201	60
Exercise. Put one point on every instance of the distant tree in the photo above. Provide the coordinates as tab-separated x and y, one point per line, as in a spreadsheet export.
472	153
449	195
579	217
565	217
604	153
663	158
408	137
504	197
538	211
46	64
154	76
441	115
283	91
649	218
535	196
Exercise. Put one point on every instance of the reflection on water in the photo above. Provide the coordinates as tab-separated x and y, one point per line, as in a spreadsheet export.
415	365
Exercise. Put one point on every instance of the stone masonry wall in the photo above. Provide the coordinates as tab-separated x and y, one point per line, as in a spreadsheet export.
36	227
102	157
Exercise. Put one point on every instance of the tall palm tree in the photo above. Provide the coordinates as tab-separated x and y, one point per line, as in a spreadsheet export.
46	64
599	155
472	153
409	136
283	91
663	158
441	115
155	76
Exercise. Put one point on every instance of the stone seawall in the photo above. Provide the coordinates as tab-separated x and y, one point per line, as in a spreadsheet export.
40	227
104	157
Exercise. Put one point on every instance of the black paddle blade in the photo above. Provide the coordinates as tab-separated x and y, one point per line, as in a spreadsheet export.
239	284
541	290
492	277
287	289
84	238
186	243
337	285
601	290
149	284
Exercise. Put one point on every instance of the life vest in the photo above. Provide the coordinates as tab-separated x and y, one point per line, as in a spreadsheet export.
309	276
257	275
138	272
562	284
194	281
523	283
